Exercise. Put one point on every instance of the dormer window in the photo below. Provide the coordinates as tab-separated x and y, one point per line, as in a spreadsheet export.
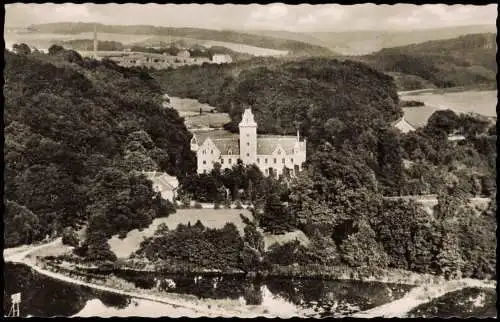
211	151
229	151
279	151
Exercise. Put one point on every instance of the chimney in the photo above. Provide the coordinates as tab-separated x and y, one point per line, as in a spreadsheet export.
95	41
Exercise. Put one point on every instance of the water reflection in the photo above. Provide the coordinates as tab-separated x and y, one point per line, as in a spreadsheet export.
43	296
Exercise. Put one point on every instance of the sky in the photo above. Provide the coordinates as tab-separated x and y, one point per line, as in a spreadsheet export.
277	16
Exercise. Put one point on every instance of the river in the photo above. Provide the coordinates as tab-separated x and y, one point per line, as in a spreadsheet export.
480	102
280	297
46	297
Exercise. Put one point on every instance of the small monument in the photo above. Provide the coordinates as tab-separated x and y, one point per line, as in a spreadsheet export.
15	300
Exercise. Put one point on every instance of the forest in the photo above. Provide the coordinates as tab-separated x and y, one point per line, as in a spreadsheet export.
77	134
355	160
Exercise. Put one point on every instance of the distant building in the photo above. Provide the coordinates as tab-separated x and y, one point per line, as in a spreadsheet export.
184	53
163	183
221	59
273	154
403	125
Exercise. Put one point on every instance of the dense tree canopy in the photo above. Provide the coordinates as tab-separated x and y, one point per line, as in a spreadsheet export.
76	133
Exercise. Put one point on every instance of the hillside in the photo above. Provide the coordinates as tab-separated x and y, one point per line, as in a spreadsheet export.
75	132
292	46
464	61
282	93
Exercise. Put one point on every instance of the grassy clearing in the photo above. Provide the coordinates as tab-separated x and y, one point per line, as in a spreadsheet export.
207	120
212	218
189	105
270	239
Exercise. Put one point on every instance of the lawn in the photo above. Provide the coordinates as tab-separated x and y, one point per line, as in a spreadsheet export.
207	120
212	218
189	105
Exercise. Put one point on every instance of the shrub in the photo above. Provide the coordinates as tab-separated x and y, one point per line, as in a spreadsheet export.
238	205
216	205
69	237
198	205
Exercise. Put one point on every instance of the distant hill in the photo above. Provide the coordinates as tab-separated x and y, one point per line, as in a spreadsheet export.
281	93
468	60
368	41
292	46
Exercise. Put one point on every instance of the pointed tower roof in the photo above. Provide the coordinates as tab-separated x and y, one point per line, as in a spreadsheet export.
247	118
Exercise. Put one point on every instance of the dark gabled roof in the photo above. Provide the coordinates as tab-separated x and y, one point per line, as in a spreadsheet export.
201	136
267	144
228	145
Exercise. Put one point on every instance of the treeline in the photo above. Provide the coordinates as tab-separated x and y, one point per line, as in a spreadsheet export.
433	162
468	60
77	134
194	51
372	234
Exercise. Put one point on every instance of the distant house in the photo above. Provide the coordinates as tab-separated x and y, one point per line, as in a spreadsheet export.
403	125
165	184
221	59
456	137
183	53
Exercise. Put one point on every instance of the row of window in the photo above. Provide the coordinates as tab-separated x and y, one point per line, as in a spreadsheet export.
258	160
275	160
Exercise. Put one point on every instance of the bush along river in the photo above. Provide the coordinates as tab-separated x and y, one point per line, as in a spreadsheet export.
275	296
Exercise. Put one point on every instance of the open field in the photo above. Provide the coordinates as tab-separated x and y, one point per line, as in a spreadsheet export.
190	110
207	120
183	105
211	218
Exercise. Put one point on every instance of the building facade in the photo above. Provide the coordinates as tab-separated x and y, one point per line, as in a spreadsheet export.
272	154
221	59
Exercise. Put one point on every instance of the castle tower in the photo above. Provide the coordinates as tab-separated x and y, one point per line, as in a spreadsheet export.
95	41
248	137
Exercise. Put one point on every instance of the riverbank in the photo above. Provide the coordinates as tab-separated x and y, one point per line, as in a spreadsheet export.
421	295
476	88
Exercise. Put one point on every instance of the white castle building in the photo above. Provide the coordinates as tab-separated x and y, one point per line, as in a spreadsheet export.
271	153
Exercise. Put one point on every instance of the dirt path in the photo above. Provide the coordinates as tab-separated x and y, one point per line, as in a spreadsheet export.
420	295
18	254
